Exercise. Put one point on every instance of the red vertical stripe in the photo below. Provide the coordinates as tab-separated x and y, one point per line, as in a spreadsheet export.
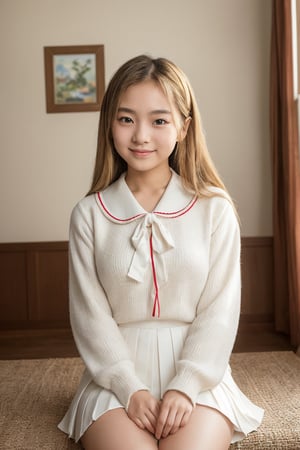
156	303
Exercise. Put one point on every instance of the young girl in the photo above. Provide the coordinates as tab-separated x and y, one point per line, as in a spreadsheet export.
155	277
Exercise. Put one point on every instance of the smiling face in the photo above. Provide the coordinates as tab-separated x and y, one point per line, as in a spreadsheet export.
143	130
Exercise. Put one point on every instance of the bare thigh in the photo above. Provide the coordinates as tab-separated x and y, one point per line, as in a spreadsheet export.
115	431
207	429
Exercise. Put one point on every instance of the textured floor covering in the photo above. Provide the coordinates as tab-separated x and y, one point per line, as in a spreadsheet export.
34	394
272	381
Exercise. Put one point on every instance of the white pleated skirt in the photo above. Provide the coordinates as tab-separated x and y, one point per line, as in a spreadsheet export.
156	346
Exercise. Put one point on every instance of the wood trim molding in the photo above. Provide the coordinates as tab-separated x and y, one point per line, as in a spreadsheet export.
34	284
33	246
257	241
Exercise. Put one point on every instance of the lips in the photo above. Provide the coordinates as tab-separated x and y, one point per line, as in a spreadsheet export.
141	152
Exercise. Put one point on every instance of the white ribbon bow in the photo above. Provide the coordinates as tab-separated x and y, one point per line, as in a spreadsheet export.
162	241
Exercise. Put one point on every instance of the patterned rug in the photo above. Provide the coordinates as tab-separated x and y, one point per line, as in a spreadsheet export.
34	395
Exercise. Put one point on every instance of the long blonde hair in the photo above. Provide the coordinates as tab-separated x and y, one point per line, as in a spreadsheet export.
190	159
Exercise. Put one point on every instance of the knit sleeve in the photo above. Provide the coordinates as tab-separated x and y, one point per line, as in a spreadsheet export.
96	333
211	336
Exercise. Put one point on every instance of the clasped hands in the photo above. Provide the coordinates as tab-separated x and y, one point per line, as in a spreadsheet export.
160	417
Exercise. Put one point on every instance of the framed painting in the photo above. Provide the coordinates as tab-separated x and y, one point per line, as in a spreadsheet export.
74	77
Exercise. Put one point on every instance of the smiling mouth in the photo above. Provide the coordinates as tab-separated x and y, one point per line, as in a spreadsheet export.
141	152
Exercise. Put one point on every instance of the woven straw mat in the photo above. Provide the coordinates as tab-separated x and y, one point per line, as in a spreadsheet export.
34	395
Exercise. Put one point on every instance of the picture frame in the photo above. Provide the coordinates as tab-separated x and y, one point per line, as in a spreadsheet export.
74	78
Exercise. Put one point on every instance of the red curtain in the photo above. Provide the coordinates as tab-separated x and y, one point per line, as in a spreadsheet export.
286	174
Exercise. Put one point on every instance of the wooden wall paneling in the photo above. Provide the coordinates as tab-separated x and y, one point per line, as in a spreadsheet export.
52	285
13	286
257	279
34	284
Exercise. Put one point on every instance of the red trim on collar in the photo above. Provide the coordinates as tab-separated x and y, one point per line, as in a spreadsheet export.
114	217
172	215
180	212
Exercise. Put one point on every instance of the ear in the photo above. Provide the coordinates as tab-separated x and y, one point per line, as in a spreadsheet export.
184	129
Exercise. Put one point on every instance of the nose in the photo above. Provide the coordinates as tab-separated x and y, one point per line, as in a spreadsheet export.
141	134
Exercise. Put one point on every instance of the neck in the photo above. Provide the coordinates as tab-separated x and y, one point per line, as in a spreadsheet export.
148	181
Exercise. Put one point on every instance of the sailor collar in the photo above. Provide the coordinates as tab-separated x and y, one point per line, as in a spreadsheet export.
119	205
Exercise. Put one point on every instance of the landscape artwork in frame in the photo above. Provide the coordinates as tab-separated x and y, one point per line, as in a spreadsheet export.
74	77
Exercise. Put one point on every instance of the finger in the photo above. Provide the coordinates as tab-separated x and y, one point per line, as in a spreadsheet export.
169	424
180	421
138	422
152	419
155	412
146	421
148	425
185	418
176	424
161	420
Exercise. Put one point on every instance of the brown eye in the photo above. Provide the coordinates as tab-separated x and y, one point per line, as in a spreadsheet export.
125	119
160	122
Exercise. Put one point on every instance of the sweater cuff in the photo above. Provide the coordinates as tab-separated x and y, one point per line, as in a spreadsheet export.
124	384
187	383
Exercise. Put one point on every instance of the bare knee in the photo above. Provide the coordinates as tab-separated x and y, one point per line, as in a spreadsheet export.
207	429
115	431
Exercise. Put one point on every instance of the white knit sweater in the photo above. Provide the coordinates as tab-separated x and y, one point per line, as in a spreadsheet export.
193	271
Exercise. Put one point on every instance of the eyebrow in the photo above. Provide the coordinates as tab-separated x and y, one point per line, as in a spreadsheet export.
155	111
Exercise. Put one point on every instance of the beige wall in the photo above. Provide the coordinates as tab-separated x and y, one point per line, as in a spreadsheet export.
47	159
